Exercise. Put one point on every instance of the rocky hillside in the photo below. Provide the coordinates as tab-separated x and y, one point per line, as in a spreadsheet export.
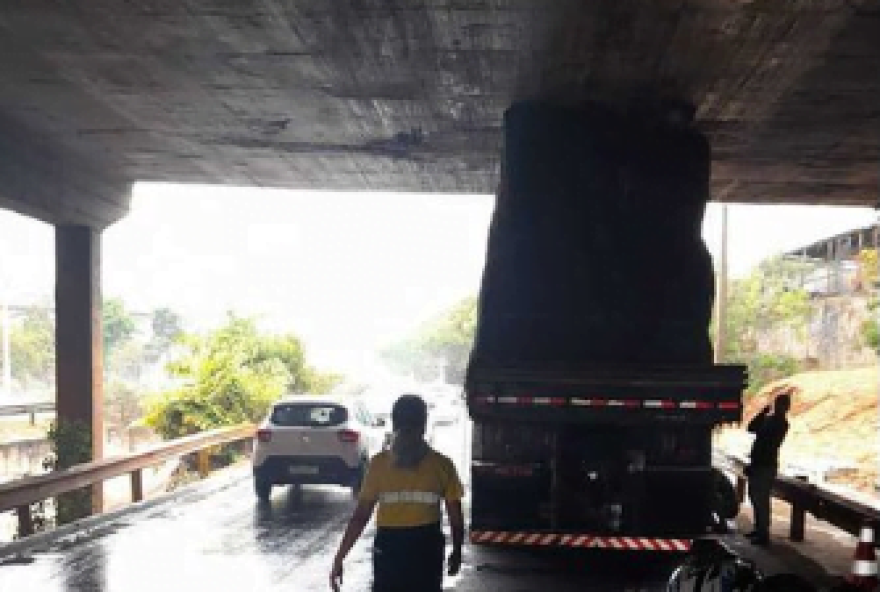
834	423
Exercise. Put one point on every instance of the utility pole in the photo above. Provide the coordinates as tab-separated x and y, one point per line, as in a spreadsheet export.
721	296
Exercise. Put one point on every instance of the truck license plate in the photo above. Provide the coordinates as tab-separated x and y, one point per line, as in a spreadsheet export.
301	470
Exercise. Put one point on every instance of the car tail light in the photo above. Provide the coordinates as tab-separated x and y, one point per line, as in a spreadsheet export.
264	435
348	436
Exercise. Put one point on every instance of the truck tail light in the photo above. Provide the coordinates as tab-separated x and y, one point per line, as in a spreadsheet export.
264	435
348	436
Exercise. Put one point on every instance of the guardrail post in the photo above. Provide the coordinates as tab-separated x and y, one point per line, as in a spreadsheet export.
203	462
798	518
137	485
25	521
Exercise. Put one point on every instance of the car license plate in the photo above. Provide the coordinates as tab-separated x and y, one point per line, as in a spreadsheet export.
300	470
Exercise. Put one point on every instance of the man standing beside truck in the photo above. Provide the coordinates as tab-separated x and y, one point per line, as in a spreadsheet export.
770	428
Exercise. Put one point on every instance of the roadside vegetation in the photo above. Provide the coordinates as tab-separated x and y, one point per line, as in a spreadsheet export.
232	375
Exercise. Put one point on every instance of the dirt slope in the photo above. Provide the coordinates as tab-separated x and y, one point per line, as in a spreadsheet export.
834	421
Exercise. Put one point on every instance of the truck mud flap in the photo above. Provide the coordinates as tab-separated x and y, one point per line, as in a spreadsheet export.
579	541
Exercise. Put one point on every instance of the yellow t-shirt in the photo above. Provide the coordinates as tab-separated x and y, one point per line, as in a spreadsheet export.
410	497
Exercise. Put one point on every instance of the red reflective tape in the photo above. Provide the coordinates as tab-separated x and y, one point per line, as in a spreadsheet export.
557	401
658	404
524	400
583	541
481	536
728	406
631	403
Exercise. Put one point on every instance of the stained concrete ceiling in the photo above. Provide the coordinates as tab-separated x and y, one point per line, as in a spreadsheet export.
408	94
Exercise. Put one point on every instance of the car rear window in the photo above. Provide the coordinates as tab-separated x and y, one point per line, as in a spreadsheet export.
309	415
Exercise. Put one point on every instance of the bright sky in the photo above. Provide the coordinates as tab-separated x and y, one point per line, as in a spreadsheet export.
347	272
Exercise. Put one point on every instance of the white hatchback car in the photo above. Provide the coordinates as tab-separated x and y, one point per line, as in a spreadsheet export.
315	440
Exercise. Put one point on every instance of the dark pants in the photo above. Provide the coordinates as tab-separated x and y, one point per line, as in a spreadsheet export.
408	559
760	484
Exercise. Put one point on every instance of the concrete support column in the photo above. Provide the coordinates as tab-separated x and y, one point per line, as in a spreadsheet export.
79	337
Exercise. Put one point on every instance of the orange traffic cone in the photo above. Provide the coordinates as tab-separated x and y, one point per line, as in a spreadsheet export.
864	567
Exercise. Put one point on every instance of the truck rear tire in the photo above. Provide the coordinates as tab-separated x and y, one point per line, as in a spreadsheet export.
724	503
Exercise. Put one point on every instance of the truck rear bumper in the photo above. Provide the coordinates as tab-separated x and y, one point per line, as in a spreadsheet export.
578	540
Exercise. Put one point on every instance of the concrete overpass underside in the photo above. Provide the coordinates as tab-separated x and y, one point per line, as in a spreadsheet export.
408	94
398	95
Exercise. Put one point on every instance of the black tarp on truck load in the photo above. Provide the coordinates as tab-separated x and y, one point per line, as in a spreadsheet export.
595	252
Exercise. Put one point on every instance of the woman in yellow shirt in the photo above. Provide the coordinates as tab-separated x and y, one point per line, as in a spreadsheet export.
408	482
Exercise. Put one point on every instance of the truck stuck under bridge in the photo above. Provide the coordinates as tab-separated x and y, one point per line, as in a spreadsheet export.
591	384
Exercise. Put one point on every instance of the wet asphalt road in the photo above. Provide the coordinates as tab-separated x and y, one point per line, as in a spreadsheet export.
218	538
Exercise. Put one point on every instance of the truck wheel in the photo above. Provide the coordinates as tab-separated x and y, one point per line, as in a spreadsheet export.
725	503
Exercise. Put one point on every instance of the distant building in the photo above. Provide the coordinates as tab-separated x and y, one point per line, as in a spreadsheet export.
833	274
831	265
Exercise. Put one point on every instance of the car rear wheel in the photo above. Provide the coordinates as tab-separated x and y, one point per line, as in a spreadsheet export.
263	488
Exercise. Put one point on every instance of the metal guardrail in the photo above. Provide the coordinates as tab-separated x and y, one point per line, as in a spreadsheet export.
20	494
804	497
30	409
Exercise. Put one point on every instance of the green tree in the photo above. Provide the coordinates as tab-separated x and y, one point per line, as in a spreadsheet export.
167	328
127	359
119	325
319	383
443	342
770	297
867	262
123	404
869	329
230	375
32	347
